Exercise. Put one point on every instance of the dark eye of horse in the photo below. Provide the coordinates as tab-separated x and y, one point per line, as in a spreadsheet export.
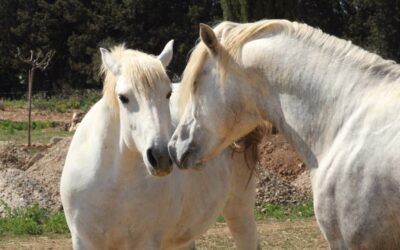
123	99
169	94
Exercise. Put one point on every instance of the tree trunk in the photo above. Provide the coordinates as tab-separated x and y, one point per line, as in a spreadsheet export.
30	82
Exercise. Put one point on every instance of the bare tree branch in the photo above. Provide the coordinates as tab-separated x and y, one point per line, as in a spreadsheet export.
38	61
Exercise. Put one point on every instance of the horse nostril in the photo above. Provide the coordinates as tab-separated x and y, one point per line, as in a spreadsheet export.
170	161
184	158
151	158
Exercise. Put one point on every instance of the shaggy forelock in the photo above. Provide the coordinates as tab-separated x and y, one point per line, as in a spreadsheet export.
144	71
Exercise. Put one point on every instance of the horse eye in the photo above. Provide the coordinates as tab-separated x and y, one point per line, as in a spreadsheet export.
123	99
169	94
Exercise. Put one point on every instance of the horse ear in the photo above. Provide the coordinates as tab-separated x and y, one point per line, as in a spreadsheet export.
109	61
166	55
209	38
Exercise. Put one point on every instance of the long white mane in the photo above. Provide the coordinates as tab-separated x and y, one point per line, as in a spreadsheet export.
233	36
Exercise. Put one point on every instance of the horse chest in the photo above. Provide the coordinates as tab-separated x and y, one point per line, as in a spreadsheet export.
203	193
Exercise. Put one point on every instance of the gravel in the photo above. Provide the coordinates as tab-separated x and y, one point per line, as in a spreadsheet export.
271	188
27	179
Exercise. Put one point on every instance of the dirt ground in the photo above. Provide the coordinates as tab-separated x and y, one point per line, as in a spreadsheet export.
299	234
18	115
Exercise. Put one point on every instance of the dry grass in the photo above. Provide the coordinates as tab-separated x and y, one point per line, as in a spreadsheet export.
274	234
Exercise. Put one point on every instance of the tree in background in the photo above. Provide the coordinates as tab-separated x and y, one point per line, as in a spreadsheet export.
8	73
375	25
372	24
77	28
252	10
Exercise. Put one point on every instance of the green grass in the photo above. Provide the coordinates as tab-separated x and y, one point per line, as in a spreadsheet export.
31	221
281	212
42	131
37	136
12	126
300	211
62	104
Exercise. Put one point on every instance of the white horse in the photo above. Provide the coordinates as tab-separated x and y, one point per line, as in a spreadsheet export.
337	104
110	198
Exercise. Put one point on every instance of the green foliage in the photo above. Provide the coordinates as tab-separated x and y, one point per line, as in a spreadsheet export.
253	10
280	212
220	219
76	29
59	103
32	220
305	210
56	223
374	25
272	211
36	125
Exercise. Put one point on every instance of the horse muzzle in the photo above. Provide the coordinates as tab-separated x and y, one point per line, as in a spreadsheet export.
184	157
159	161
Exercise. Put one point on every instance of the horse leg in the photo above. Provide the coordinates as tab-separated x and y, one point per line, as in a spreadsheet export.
239	208
76	242
338	244
327	220
79	244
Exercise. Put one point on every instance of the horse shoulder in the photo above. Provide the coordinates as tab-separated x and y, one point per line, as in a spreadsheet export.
87	145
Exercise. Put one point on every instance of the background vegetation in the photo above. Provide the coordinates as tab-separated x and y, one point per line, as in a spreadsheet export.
77	28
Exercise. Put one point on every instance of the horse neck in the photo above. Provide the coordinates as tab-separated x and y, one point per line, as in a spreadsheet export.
311	93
